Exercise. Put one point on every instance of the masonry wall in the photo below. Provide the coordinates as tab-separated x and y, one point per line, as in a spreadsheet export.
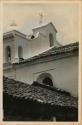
41	42
19	41
45	31
64	73
30	47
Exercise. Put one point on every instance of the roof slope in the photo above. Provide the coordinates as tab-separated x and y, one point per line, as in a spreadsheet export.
40	93
53	51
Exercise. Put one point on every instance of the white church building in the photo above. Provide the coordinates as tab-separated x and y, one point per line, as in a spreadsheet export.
40	57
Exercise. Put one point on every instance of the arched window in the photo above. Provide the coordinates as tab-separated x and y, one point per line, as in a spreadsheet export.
20	52
45	78
47	81
8	54
51	39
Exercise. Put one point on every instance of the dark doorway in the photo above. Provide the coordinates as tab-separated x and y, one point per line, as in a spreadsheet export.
47	81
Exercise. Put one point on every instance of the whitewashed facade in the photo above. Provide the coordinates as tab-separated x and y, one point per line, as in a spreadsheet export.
28	63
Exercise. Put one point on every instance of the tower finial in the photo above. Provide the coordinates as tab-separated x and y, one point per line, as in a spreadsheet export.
13	25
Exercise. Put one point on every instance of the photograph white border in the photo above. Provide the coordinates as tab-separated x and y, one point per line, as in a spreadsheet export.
80	59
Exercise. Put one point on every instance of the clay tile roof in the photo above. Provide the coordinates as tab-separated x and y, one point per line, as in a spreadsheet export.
13	87
53	51
40	93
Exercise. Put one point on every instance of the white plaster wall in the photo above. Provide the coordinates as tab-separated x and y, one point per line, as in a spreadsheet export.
20	41
46	30
42	43
39	44
10	73
14	44
31	47
64	73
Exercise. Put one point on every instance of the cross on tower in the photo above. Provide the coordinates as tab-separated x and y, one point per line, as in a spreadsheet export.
41	18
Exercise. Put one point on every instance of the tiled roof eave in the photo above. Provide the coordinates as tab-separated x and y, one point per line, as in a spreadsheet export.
39	93
68	49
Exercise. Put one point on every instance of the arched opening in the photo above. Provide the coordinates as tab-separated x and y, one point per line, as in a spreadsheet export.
8	54
47	81
45	78
51	39
20	52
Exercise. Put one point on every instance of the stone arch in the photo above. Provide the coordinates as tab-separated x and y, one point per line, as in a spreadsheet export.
45	78
8	54
51	39
20	52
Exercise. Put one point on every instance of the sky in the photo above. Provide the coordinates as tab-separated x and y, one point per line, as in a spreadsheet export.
65	18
